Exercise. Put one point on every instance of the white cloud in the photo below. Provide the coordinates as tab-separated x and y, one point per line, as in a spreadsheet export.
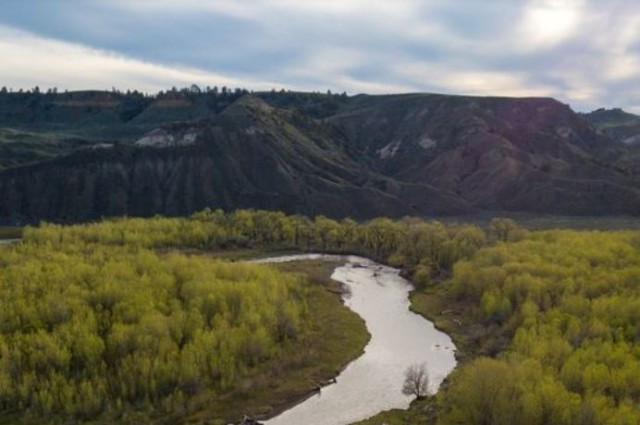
254	9
457	79
293	21
622	66
546	23
493	83
615	45
29	60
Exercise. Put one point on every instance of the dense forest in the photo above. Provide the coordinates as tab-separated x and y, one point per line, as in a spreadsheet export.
570	303
124	313
88	328
113	316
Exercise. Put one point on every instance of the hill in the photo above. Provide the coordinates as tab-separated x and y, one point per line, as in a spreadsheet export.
361	156
528	154
38	126
617	124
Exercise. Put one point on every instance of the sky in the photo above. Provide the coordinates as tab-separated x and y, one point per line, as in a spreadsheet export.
582	52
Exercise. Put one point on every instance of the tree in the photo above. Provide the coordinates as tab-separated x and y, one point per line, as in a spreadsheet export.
416	380
505	229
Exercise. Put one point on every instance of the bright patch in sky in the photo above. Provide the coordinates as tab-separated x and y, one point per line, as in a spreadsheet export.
583	52
549	22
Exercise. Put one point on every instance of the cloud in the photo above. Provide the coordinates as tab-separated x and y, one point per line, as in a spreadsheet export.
547	23
29	60
479	82
584	52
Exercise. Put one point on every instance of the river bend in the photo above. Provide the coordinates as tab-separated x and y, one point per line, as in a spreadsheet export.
373	382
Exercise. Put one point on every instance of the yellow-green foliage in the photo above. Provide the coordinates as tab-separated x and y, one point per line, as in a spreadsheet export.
87	328
410	243
571	301
95	320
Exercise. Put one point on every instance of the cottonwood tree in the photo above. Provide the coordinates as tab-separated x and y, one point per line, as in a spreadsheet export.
416	380
505	229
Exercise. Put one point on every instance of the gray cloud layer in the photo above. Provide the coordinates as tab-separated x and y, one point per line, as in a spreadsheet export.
583	52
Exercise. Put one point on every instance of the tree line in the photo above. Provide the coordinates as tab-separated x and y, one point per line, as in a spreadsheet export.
425	249
133	102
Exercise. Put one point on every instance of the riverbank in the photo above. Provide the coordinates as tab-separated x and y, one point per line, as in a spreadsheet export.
319	353
471	339
337	336
210	232
400	338
433	303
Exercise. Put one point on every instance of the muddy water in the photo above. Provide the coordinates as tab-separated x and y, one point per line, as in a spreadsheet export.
373	382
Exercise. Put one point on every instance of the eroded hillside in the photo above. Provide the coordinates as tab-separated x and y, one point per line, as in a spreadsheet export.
358	156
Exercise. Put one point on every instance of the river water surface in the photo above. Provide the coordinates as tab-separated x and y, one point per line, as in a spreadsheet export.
399	338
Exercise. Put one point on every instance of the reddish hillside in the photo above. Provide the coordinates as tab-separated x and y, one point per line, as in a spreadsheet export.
531	154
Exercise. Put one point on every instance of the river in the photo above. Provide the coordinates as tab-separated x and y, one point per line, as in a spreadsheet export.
399	338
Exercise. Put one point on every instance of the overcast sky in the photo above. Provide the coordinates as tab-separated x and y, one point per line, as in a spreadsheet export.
582	52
